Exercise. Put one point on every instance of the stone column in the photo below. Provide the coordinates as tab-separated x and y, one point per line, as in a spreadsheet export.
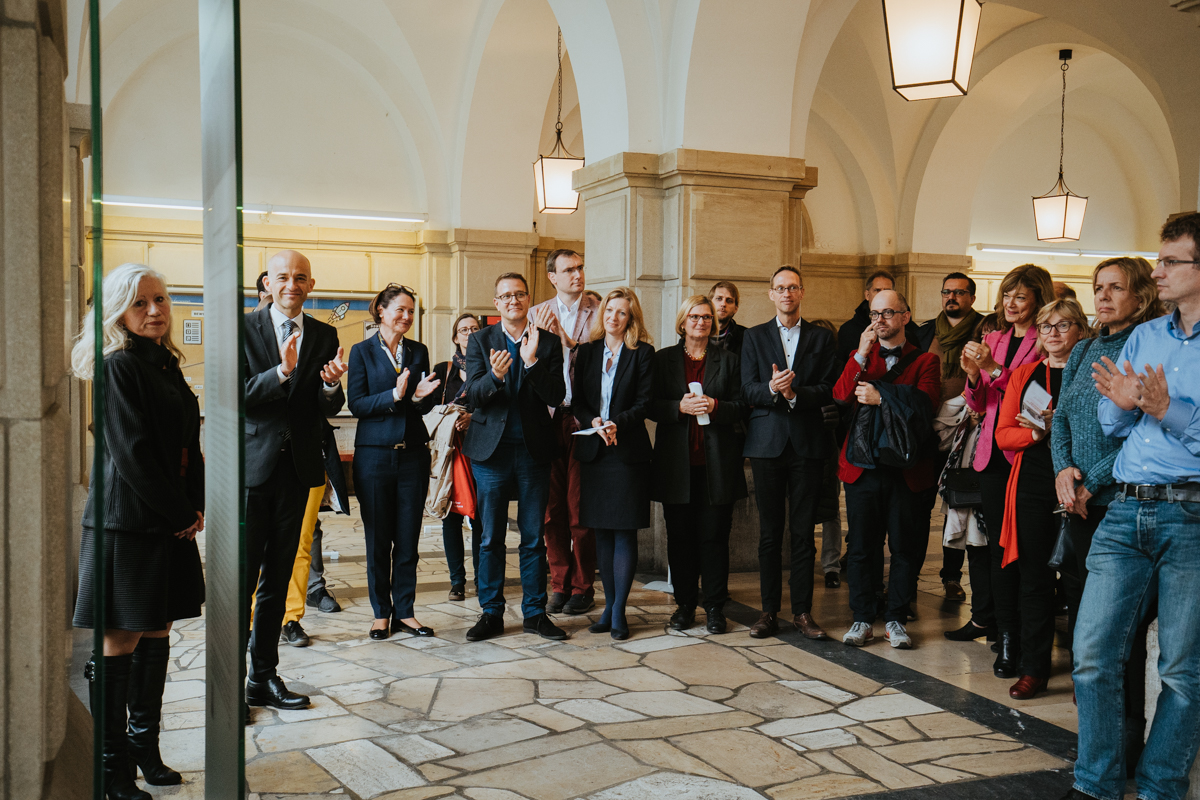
34	406
477	258
671	225
919	276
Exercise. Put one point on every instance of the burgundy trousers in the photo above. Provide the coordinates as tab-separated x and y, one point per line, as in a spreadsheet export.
570	547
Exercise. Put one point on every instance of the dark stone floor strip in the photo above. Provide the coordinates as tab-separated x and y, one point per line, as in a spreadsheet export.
1048	784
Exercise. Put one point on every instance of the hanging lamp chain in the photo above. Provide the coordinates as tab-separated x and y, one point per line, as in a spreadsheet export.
1062	130
558	117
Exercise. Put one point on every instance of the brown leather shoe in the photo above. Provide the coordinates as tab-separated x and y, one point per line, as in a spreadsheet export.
809	627
767	625
1027	688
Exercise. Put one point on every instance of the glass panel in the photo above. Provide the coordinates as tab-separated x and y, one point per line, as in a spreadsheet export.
226	622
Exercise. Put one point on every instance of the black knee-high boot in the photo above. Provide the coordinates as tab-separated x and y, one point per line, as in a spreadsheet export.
118	769
147	678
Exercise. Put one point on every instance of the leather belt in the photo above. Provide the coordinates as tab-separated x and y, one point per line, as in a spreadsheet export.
1170	492
400	446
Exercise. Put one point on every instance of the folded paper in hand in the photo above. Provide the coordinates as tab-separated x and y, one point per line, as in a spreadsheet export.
1036	401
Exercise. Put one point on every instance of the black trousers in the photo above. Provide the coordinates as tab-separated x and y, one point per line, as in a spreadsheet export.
391	486
880	504
698	545
979	562
1005	581
952	564
274	513
1037	529
799	481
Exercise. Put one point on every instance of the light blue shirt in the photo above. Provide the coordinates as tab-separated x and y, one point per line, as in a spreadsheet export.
1159	452
608	373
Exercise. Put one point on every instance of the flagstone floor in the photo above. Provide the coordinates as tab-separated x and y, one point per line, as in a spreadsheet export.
663	714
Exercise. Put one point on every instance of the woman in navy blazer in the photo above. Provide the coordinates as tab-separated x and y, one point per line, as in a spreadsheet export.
390	387
615	464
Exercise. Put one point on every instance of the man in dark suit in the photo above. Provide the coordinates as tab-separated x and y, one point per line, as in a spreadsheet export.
514	378
293	368
726	298
852	329
788	370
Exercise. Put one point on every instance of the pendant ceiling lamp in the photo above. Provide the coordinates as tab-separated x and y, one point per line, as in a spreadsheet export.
931	44
1058	214
552	173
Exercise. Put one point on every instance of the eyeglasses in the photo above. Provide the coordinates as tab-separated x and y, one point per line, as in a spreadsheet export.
786	289
511	296
886	313
403	289
570	270
956	292
1062	327
1171	262
699	317
465	329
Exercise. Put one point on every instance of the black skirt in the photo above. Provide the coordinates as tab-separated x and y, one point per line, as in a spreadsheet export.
152	579
615	494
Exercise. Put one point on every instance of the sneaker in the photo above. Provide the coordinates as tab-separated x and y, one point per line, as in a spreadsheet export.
489	625
294	635
556	603
859	634
543	627
894	632
323	601
579	604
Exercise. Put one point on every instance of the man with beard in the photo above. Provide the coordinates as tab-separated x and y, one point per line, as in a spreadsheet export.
725	299
850	332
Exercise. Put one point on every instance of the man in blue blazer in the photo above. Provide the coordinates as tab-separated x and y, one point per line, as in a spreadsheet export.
293	368
514	376
788	372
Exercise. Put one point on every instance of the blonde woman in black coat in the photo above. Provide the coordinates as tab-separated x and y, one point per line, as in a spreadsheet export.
697	469
612	393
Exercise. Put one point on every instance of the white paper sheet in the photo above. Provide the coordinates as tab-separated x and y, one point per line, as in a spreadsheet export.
1036	401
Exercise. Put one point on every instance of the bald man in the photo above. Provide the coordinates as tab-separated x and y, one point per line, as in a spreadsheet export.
293	368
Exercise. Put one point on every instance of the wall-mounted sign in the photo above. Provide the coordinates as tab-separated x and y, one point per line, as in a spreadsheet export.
197	312
191	331
369	327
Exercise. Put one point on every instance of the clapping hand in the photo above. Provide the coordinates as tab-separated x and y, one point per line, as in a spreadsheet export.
335	369
426	386
530	345
546	318
402	383
1123	388
781	382
289	353
1155	399
501	362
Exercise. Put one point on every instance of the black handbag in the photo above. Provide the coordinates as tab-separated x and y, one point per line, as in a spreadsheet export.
1064	550
962	488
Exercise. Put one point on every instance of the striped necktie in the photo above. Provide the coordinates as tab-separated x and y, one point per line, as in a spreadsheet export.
289	327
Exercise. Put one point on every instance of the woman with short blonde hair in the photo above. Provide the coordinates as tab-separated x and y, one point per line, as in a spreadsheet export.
153	502
1070	311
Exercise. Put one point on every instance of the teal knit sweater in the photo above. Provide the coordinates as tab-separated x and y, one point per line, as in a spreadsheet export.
1076	438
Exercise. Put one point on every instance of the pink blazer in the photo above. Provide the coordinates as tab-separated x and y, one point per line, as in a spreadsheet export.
985	397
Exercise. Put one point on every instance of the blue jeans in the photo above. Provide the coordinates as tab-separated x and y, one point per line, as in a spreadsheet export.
511	472
1141	547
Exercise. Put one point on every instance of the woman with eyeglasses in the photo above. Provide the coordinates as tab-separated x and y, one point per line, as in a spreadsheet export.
611	393
453	377
989	366
389	389
1030	525
697	471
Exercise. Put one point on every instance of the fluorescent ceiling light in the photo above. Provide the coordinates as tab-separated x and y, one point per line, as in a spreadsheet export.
283	211
1047	251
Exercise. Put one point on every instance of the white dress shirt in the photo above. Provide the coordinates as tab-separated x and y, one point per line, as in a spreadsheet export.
567	317
278	318
790	337
608	373
396	358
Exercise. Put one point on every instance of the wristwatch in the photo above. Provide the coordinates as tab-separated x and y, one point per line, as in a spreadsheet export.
996	372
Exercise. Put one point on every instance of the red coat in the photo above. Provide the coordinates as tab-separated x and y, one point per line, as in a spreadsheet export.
925	372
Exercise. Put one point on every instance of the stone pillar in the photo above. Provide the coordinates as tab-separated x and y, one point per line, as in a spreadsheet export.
477	258
670	226
75	303
919	276
34	404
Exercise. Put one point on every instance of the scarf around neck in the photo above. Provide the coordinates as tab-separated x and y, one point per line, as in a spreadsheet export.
952	338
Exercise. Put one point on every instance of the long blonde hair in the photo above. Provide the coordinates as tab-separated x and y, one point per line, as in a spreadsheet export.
635	331
120	290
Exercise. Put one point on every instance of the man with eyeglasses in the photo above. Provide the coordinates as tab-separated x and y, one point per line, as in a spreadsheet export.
514	376
1149	538
852	329
788	371
570	547
944	336
886	500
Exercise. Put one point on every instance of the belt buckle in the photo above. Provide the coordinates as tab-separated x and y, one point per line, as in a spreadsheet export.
1137	491
400	446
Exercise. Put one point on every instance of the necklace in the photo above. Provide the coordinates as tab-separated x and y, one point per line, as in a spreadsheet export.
700	357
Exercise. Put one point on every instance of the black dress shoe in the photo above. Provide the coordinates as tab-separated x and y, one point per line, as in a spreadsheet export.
969	632
1009	656
716	621
599	627
682	619
323	601
274	693
400	627
556	603
832	581
578	604
489	625
379	634
620	634
543	627
457	593
294	635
